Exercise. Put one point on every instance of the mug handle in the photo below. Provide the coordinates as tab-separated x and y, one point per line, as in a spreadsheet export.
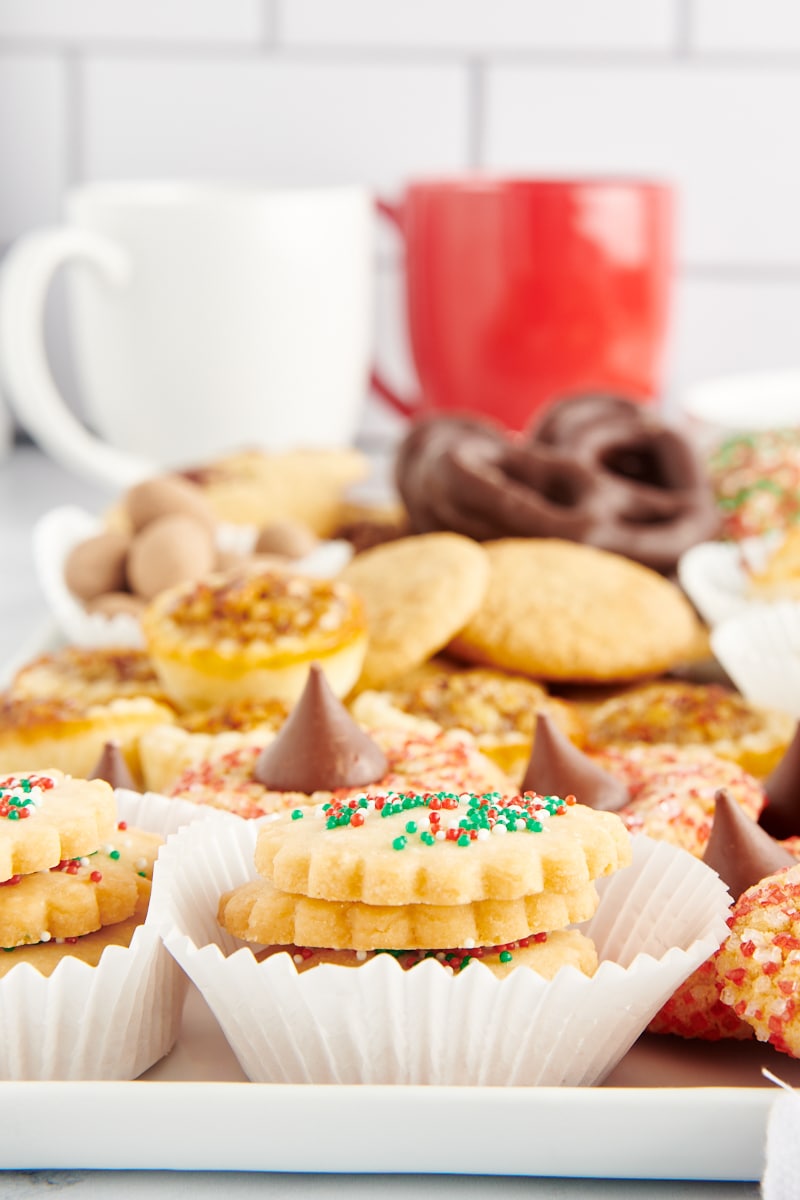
406	408
25	278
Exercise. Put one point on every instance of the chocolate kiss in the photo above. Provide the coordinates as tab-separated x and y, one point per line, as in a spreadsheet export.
739	850
319	747
111	767
558	768
781	815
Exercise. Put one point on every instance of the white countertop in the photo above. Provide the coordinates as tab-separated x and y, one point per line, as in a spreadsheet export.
29	486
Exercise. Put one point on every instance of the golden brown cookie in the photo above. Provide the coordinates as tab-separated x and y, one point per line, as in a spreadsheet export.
545	955
46	817
254	632
682	713
46	956
559	610
88	674
167	750
440	848
258	912
418	592
77	897
256	488
499	709
420	756
69	734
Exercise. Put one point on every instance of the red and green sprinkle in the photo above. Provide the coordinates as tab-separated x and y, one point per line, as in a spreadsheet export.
478	815
20	795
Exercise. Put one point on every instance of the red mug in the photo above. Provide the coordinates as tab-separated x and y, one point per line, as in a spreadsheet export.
520	291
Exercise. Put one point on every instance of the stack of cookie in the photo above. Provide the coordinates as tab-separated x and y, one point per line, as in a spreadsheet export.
425	938
461	878
73	880
87	990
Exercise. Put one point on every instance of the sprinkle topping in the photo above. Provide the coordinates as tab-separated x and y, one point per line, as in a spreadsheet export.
463	818
21	795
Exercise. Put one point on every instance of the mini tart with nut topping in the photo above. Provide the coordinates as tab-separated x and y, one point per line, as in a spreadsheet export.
690	714
70	734
254	633
91	674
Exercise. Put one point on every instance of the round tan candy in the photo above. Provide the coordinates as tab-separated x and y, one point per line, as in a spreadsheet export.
97	565
288	538
168	551
166	495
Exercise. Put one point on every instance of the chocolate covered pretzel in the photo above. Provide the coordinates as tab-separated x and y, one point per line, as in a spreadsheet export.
596	469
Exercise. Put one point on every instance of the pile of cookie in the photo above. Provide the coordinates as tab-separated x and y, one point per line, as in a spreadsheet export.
74	880
482	686
340	883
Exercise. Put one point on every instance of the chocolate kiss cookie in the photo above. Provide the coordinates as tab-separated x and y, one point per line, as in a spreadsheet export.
781	815
739	850
319	747
558	768
111	767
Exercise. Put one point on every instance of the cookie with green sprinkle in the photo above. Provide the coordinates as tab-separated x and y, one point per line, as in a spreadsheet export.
78	896
46	817
440	848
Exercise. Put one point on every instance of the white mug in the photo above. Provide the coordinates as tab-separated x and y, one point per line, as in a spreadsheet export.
204	318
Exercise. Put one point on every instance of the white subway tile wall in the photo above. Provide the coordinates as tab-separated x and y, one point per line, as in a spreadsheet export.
703	93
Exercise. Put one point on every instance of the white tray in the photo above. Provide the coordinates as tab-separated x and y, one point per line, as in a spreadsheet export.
671	1110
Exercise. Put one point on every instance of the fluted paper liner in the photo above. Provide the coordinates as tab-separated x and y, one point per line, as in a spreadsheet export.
657	920
112	1021
760	650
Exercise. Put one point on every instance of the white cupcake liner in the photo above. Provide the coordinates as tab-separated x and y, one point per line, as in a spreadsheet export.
58	531
657	920
714	575
760	651
108	1022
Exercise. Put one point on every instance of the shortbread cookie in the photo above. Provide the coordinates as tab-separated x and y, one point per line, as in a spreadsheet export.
69	734
254	633
673	789
257	912
439	848
44	957
420	755
545	954
559	610
89	674
136	848
499	709
418	592
77	897
759	963
46	817
682	713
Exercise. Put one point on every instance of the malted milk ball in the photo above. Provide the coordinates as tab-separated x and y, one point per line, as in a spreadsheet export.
97	565
166	494
289	538
169	550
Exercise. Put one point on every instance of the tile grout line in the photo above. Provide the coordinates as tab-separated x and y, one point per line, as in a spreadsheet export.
476	113
74	81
